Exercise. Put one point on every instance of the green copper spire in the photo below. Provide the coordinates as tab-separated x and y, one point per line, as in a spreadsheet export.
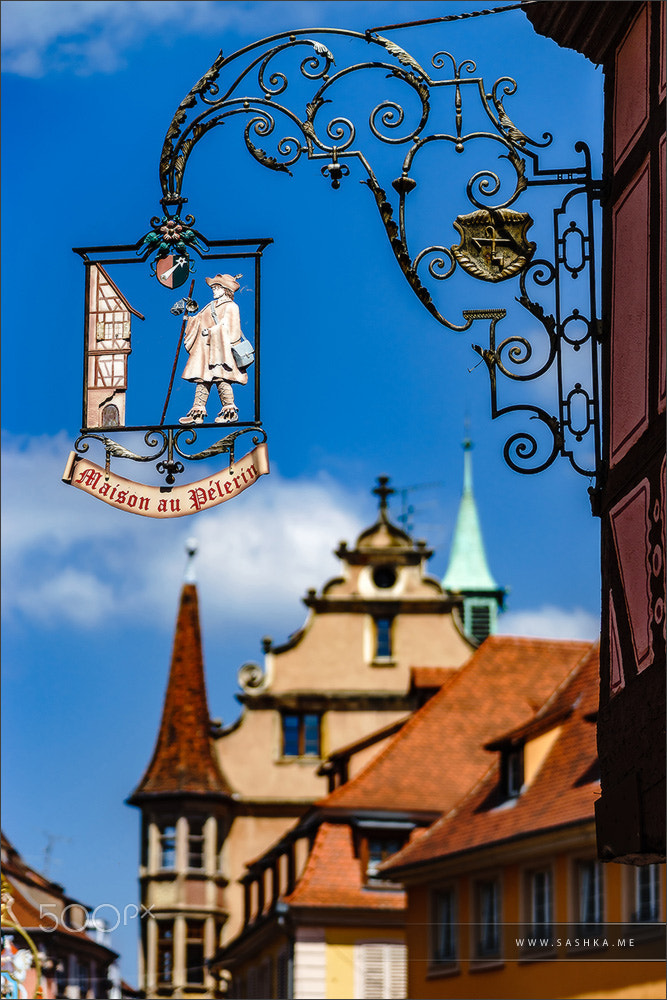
468	572
468	569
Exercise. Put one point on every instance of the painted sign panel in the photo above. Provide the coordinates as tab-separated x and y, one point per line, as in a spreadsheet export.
163	501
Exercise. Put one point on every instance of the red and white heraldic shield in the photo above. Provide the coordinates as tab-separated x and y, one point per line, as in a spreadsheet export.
173	271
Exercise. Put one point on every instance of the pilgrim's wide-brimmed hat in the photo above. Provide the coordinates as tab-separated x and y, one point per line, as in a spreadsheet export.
226	280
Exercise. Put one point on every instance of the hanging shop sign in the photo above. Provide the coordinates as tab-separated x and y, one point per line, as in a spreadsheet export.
173	382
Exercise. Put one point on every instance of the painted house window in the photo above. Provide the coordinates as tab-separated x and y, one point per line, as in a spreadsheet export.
196	842
165	953
383	637
540	903
444	926
167	845
380	971
194	952
647	893
301	734
487	908
590	892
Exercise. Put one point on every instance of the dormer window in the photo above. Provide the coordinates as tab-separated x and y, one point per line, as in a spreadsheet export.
513	771
377	841
379	848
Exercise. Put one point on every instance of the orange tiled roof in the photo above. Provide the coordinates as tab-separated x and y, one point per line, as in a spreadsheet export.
183	760
563	791
439	754
430	677
332	876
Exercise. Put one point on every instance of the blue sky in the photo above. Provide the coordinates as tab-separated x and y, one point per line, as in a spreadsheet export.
358	381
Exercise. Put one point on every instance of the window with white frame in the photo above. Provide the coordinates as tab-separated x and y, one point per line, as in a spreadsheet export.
194	952
301	734
647	893
167	844
384	627
196	842
539	892
590	892
443	932
380	970
165	952
487	909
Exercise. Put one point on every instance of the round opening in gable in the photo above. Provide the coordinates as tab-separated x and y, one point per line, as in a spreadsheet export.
384	577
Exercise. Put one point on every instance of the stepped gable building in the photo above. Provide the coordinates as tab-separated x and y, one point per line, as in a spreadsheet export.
320	707
468	571
315	902
508	881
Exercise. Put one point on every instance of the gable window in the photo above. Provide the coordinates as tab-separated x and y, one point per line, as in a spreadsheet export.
487	908
194	952
301	734
443	948
647	893
165	953
540	902
383	637
167	845
196	842
589	892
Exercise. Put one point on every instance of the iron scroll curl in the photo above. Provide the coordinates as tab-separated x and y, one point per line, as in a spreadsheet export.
290	109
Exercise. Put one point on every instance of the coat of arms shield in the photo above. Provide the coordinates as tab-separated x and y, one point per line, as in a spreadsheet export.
493	244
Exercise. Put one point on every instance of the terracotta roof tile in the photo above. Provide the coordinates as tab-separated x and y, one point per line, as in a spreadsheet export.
183	760
430	677
332	876
439	754
563	791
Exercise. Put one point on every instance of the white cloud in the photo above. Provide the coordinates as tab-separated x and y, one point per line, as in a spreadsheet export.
92	36
549	622
69	559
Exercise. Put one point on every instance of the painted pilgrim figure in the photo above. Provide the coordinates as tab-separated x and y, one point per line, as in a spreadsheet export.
210	337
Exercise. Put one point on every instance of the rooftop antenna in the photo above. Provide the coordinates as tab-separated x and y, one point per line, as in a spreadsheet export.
51	839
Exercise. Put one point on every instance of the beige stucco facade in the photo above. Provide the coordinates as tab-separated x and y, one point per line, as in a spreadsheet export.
343	677
334	668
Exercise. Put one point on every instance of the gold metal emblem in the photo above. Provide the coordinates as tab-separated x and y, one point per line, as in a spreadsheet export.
493	243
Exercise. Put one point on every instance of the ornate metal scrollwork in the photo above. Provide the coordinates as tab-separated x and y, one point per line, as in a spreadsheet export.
258	84
168	442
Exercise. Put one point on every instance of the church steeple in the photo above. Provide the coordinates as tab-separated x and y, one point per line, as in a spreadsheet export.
184	760
468	571
187	808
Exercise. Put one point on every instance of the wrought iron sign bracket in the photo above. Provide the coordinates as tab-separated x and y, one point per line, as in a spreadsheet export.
557	288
